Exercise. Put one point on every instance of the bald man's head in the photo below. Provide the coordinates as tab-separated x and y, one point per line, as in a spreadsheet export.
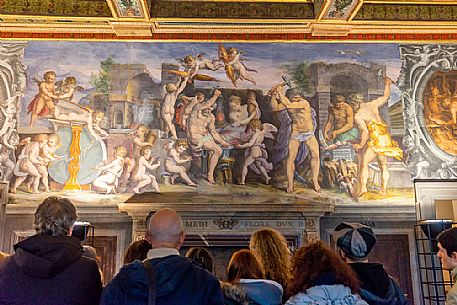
166	229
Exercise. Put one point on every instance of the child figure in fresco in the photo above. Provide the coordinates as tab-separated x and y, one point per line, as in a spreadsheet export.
194	64
174	163
97	119
47	155
139	141
28	162
140	173
255	154
111	171
43	103
241	71
168	105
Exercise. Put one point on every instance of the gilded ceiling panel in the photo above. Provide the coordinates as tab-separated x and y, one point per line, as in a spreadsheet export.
232	10
73	8
407	12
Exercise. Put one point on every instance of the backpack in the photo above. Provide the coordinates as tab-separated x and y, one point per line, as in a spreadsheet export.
394	295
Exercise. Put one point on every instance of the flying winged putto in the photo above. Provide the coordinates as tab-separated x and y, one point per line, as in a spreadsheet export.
192	66
234	68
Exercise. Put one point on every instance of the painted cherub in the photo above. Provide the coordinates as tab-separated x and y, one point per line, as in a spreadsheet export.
66	88
108	180
97	118
255	154
234	68
28	161
140	140
140	175
174	163
193	64
185	109
47	155
173	90
43	103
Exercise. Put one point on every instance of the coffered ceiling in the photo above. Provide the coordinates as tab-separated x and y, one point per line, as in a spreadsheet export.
254	20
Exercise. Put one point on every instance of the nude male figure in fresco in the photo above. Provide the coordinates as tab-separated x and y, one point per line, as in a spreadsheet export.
339	127
202	134
302	125
375	140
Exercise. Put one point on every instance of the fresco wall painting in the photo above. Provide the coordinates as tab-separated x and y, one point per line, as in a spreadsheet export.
311	121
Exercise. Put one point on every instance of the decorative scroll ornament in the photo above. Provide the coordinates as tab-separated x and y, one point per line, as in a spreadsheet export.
423	156
12	86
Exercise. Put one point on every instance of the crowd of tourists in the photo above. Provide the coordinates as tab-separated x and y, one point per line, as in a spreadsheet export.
52	267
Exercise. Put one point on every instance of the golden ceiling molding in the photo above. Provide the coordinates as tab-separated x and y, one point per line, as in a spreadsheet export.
304	28
55	28
141	29
328	29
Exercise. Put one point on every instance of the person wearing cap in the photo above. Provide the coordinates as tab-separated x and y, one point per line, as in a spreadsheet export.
447	253
303	124
355	242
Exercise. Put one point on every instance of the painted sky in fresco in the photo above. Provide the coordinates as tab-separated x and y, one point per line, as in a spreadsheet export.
81	59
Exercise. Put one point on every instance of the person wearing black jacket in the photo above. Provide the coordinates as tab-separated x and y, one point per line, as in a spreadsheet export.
49	268
355	242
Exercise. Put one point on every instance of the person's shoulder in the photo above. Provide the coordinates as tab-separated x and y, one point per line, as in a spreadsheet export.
299	298
6	262
200	272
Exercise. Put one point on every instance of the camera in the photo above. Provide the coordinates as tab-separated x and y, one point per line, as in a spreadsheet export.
81	230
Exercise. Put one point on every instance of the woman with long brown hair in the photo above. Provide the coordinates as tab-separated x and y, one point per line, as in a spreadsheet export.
270	248
320	276
244	271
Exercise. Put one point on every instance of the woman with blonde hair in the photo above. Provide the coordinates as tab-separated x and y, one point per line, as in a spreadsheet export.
320	276
270	248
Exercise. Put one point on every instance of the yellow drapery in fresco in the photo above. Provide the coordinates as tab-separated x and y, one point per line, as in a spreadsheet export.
381	141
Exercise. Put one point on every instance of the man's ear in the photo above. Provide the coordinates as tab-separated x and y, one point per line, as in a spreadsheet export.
182	236
342	254
454	256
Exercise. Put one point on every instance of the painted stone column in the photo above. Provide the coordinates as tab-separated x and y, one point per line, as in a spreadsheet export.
73	165
311	232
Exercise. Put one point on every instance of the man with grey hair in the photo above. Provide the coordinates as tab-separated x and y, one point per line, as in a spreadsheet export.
49	267
177	279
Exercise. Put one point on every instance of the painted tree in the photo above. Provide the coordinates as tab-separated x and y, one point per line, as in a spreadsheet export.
101	81
298	73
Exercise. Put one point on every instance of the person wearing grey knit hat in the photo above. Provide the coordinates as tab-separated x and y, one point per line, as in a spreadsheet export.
355	242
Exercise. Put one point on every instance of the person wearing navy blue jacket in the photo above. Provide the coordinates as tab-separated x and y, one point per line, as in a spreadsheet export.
179	280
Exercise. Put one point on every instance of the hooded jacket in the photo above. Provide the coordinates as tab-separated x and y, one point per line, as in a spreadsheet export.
234	294
253	292
326	295
263	292
378	288
49	270
179	281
